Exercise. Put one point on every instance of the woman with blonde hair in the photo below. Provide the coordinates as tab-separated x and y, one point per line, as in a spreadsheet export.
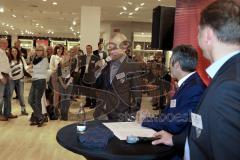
39	76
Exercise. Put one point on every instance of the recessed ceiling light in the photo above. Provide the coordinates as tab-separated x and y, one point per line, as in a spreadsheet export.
3	23
130	3
74	23
142	4
159	0
44	0
11	26
124	8
41	26
7	25
54	3
137	8
37	24
1	9
130	14
121	13
14	16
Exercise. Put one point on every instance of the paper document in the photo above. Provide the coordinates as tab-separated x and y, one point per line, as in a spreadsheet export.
123	129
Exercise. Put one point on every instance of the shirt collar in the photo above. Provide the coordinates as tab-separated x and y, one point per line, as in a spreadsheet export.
120	60
182	80
213	68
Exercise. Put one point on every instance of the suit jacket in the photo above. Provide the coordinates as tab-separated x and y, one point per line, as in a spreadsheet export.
122	87
220	113
88	78
175	119
24	52
96	53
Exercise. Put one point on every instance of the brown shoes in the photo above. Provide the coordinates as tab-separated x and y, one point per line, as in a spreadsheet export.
3	118
11	116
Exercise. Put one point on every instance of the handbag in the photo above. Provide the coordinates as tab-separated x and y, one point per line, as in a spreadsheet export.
24	70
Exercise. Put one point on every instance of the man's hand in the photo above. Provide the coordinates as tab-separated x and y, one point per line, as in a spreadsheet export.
3	80
164	138
141	115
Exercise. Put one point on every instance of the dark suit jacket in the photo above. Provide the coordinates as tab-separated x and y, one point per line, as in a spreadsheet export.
88	78
96	53
122	89
220	112
174	120
24	52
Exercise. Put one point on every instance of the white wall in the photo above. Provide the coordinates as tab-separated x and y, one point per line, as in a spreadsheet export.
126	28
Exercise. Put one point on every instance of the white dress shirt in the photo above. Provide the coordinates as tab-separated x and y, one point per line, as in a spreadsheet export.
4	63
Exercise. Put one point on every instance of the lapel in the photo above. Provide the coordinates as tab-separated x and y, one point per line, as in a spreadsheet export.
121	69
234	60
187	81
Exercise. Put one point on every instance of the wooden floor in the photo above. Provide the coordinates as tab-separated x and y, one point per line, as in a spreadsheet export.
20	141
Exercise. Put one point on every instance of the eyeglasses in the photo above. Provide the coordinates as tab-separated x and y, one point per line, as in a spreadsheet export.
123	45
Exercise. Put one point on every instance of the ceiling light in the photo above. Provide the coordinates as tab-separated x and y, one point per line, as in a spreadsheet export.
124	8
7	25
54	3
78	32
130	3
1	9
14	16
37	24
121	13
44	0
130	14
11	26
41	26
3	23
142	4
137	8
74	23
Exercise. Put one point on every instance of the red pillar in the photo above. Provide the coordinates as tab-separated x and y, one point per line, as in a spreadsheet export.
186	29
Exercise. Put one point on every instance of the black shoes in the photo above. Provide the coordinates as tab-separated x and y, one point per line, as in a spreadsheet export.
24	112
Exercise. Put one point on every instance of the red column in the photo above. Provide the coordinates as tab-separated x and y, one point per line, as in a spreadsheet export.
186	29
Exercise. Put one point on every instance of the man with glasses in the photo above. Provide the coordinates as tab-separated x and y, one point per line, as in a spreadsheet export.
119	76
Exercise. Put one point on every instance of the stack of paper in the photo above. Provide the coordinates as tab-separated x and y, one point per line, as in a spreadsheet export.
124	129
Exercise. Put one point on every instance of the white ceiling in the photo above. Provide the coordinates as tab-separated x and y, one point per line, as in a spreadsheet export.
58	19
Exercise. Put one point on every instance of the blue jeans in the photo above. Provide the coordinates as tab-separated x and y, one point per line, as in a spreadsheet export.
2	87
7	106
65	101
19	84
35	95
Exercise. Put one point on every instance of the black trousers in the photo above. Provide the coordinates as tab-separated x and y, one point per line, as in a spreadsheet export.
90	94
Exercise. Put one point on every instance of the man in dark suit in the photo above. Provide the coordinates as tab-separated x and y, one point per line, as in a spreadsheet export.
118	78
215	130
100	52
174	118
23	51
87	74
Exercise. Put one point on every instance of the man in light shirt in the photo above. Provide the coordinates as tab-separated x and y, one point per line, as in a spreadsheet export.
5	110
215	130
